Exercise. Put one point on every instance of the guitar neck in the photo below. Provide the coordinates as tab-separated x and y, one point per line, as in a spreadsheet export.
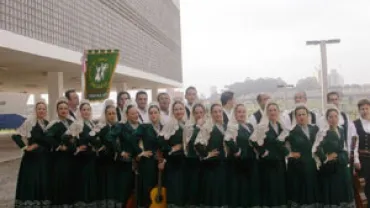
159	180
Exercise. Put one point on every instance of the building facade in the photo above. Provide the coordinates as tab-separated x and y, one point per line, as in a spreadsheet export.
42	43
147	33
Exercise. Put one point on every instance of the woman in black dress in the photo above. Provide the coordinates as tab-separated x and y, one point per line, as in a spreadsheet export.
105	162
269	140
193	164
147	137
330	151
212	149
33	177
84	135
62	192
171	145
302	175
244	189
126	150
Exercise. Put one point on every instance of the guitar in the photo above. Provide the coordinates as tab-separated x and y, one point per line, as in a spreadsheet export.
133	200
358	183
158	194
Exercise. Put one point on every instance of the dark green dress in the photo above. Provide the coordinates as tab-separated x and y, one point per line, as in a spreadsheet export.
62	187
85	178
244	189
193	171
147	137
335	176
106	171
33	184
302	174
122	141
174	169
273	170
214	181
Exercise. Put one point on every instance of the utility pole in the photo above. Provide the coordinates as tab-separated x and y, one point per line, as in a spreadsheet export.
324	66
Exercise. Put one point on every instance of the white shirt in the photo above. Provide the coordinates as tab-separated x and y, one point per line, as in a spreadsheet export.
165	117
74	112
190	107
228	113
121	113
365	125
252	119
144	115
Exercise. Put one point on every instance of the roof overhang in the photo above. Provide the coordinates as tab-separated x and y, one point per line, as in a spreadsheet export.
20	54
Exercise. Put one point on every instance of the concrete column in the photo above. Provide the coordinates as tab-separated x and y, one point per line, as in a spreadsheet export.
122	87
55	91
36	97
154	94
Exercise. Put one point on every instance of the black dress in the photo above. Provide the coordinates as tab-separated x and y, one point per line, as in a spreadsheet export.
85	180
302	174
214	170
33	178
62	183
122	141
174	169
106	171
147	138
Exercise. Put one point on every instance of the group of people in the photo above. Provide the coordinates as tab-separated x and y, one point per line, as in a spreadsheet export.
214	157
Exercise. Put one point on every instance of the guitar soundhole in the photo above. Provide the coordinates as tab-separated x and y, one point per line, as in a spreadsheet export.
159	198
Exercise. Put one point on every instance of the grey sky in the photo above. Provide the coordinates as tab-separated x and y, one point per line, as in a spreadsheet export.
229	40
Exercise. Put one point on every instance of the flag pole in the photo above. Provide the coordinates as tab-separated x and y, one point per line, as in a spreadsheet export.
83	63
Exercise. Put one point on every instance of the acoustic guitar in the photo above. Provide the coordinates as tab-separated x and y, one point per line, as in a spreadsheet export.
158	194
358	183
133	200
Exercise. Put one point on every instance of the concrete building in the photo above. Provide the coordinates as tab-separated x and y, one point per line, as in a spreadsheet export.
41	43
335	79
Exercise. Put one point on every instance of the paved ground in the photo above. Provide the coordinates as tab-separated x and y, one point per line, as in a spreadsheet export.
8	178
9	164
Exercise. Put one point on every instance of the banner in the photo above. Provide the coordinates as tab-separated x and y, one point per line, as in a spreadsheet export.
99	68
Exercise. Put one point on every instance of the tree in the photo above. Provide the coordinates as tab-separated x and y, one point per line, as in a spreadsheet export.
308	83
255	86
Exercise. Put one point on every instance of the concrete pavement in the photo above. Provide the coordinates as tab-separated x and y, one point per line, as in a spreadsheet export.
9	165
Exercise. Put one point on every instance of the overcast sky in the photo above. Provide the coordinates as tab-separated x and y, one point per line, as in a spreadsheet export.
229	40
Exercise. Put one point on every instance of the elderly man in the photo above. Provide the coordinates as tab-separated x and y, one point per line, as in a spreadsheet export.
299	98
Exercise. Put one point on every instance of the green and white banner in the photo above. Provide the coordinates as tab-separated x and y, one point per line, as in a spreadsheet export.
98	68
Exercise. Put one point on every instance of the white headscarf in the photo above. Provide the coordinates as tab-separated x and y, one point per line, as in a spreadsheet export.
173	124
205	131
77	126
233	125
102	119
324	127
263	127
189	126
128	103
25	129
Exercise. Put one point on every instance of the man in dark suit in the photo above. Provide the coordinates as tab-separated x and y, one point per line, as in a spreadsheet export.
299	98
191	95
122	97
227	102
256	117
73	103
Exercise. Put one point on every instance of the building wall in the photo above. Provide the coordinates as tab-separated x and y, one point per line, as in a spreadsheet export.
146	32
335	79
